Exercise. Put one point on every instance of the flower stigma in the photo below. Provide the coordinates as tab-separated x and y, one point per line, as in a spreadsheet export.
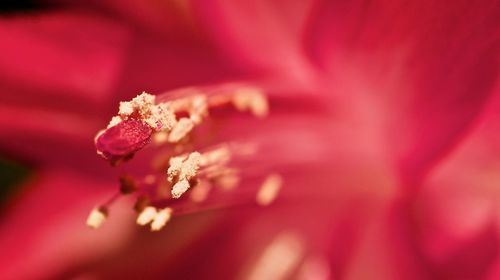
164	129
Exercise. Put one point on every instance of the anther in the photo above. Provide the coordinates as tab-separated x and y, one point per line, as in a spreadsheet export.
269	189
251	99
146	216
180	130
182	170
180	188
97	217
161	219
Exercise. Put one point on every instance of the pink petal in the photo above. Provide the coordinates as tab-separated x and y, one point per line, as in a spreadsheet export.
458	211
430	65
60	59
164	18
259	34
44	230
61	95
58	71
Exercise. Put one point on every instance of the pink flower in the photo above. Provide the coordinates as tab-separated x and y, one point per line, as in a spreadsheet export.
383	126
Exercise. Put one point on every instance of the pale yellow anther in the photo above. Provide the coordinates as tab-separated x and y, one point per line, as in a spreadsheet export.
220	155
164	115
259	106
114	121
184	167
143	103
146	216
159	117
175	167
216	171
228	182
213	167
187	102
126	108
269	189
199	109
251	99
160	137
161	219
190	166
180	188
180	130
96	217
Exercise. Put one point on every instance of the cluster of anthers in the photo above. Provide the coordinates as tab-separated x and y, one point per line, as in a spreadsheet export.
166	122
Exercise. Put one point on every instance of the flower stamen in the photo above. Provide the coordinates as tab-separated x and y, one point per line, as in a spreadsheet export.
171	118
146	216
161	219
269	189
97	217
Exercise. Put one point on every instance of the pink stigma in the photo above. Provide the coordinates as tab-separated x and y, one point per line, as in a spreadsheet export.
123	140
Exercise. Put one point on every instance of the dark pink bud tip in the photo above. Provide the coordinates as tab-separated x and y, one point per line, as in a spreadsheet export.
123	140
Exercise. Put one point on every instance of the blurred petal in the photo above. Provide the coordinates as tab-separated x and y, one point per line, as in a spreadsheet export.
430	65
75	67
459	217
54	91
259	34
68	59
43	223
163	18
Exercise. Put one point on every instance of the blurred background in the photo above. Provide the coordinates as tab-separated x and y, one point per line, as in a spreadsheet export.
384	126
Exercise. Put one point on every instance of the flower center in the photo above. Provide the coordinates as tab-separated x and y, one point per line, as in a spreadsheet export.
169	120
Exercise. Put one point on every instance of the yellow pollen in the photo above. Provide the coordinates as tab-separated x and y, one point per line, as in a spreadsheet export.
269	189
163	114
251	99
180	130
175	167
160	137
161	219
228	181
182	170
126	108
158	117
96	217
199	109
114	121
190	166
146	216
180	188
220	156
